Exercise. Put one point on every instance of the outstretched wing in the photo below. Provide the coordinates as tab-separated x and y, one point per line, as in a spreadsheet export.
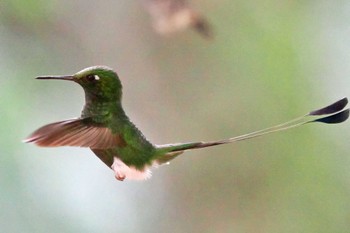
75	132
105	156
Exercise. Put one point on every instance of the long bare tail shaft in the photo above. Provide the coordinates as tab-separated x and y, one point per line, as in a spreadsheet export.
331	114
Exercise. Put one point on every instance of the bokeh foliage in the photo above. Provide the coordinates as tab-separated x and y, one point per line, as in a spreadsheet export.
269	61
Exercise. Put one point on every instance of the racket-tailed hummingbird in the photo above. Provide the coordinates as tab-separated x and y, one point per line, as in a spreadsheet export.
105	128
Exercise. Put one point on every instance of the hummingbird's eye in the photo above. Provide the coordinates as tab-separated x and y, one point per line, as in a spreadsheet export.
92	77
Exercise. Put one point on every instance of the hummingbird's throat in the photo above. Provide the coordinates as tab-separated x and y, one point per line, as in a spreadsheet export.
100	110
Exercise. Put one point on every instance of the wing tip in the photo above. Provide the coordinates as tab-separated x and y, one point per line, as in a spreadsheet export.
29	139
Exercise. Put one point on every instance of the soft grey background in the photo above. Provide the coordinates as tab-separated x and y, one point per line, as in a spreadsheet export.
270	61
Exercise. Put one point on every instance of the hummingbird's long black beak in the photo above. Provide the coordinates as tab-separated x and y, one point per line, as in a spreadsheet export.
66	77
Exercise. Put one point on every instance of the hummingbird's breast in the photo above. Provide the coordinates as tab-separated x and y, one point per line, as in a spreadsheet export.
135	150
99	111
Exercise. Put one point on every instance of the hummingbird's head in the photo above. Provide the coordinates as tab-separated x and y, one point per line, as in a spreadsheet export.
98	82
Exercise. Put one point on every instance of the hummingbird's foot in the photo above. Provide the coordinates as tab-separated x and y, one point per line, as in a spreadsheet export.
120	177
123	171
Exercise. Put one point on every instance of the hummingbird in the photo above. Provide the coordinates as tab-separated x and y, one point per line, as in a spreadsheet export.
105	128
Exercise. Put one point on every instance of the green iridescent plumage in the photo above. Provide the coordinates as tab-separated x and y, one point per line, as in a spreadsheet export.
107	131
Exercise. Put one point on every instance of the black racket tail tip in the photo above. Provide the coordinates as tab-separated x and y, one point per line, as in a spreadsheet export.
332	108
336	118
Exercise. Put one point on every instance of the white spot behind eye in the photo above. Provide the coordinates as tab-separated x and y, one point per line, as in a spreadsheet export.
96	77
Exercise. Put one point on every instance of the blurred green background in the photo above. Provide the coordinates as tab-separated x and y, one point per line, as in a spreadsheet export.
270	61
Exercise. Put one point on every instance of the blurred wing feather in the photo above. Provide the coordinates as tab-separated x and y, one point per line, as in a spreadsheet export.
75	132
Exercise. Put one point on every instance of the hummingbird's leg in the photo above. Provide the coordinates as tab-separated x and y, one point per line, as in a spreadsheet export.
120	177
119	169
122	171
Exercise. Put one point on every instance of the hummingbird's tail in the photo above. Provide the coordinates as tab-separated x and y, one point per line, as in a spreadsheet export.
331	114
